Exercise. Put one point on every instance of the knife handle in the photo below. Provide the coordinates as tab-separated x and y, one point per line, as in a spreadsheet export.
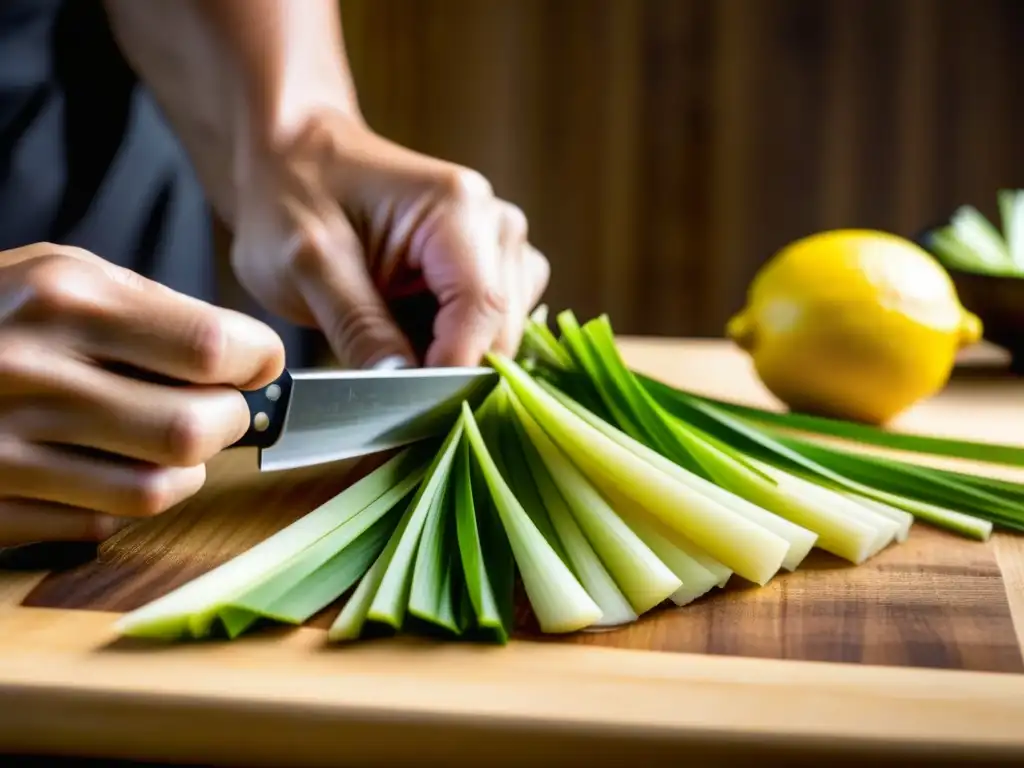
268	407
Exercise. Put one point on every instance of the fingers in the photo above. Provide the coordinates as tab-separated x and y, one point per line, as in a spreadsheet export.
26	522
110	314
94	483
332	276
51	398
461	261
485	290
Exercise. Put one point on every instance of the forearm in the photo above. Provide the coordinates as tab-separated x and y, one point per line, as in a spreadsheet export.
236	77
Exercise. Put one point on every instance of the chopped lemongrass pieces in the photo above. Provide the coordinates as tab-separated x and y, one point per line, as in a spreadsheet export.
747	548
586	564
559	601
191	610
642	577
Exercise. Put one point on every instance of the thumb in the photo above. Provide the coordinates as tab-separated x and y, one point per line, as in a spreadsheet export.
331	274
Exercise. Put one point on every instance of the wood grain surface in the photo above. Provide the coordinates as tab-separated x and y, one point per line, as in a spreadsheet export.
895	657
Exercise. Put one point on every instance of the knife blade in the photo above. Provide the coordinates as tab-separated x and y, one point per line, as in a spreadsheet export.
309	417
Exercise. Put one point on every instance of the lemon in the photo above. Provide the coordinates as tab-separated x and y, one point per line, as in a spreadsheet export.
853	324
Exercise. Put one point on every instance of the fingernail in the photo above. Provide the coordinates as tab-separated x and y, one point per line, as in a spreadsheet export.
392	363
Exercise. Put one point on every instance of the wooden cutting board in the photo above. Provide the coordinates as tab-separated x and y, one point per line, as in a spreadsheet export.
916	653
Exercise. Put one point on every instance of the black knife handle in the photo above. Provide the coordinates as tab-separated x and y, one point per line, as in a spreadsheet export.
268	407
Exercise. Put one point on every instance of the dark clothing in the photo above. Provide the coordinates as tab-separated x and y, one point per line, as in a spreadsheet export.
87	159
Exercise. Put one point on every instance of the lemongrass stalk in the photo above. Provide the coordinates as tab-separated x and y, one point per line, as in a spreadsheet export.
558	600
192	608
644	579
586	564
800	540
745	547
903	519
392	598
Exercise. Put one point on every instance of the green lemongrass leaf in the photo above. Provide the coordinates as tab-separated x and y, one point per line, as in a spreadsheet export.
431	596
747	548
586	564
192	609
480	602
558	600
322	572
392	598
752	493
990	453
756	442
586	359
540	344
644	579
911	480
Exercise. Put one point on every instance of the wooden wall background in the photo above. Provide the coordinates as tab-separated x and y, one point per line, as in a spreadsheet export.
663	149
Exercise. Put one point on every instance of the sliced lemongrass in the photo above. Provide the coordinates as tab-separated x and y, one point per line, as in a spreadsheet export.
513	468
475	559
295	593
392	598
800	540
431	598
352	619
317	590
903	519
644	579
645	529
686	561
192	608
558	600
741	433
585	563
850	530
745	547
731	479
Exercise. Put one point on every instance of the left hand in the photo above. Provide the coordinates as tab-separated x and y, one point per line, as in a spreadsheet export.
336	223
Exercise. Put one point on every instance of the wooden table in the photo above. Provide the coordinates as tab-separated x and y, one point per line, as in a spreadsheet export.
913	655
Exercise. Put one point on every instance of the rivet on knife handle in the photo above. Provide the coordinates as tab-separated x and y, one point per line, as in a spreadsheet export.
268	408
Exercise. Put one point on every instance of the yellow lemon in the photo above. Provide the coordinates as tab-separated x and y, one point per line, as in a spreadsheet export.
853	324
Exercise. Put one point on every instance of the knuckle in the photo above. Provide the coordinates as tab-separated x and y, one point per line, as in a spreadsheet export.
356	327
207	342
19	359
151	493
539	269
304	253
464	185
57	285
185	438
514	221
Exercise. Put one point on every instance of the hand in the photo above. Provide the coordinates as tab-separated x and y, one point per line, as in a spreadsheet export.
84	448
336	222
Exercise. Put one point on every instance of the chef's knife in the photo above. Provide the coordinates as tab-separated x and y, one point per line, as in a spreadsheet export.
318	416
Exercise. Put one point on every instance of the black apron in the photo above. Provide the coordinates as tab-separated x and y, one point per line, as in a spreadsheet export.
87	159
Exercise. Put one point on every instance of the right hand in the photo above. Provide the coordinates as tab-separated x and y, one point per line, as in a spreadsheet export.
84	449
